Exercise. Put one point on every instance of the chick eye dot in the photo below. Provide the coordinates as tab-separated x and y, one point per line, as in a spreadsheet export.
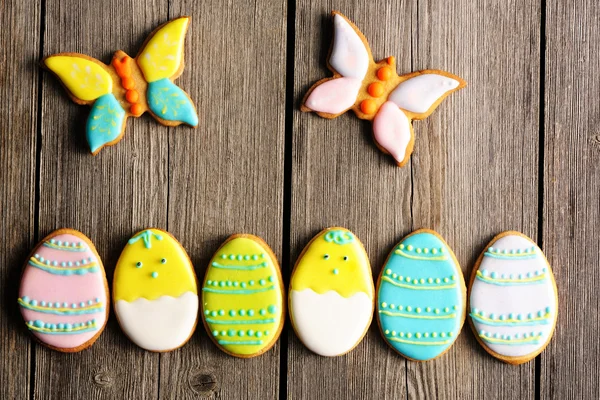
138	264
345	258
326	256
163	261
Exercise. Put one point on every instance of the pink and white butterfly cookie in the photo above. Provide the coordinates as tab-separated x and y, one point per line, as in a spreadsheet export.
375	92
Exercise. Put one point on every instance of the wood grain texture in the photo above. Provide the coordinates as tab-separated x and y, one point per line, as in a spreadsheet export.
571	234
107	197
227	176
475	165
19	77
339	178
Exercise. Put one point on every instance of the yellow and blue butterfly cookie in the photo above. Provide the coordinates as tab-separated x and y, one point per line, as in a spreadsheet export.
129	87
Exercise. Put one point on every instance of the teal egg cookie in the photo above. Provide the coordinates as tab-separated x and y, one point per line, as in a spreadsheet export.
421	297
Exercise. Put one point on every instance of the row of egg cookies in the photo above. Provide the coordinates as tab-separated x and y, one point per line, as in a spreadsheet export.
64	296
420	299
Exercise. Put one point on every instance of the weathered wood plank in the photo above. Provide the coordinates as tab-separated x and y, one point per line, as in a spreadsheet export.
339	178
19	77
569	367
108	197
475	165
227	176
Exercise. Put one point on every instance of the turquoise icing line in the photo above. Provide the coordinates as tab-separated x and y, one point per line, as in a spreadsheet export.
241	342
510	256
530	320
248	291
62	329
240	267
512	282
65	271
510	340
147	237
415	287
66	248
240	322
95	308
339	237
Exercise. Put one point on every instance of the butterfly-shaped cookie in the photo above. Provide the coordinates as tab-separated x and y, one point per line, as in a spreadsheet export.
374	91
129	87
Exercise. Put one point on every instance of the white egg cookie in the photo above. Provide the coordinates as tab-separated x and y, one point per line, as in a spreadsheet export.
513	299
63	295
331	293
155	291
242	297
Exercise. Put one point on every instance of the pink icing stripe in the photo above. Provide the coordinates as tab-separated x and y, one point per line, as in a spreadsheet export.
41	285
334	96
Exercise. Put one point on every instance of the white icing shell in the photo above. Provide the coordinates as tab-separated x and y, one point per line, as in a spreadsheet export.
349	56
330	324
159	325
418	94
513	298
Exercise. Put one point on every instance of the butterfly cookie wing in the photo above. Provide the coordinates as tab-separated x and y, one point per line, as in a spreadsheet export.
349	59
423	91
161	61
393	132
106	123
85	78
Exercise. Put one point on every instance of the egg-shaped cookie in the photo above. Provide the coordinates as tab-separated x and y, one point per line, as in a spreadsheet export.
421	297
331	293
242	297
155	292
513	299
63	294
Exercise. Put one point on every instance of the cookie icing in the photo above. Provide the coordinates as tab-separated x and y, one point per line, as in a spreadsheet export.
421	297
242	297
331	293
375	91
62	295
513	298
129	87
155	291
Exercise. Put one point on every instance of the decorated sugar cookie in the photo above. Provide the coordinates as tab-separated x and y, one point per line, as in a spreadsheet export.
331	293
242	297
129	87
513	299
375	92
63	295
421	297
155	291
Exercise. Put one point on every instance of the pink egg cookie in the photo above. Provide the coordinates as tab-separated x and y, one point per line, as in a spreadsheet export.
63	295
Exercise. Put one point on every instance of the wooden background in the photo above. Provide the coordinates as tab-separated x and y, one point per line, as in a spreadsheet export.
519	148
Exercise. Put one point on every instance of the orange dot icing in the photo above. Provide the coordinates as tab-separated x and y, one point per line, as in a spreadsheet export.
375	89
136	109
391	60
384	73
127	82
368	106
131	96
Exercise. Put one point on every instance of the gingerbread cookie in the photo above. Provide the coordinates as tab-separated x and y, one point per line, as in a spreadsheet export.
331	293
513	299
155	291
375	92
63	295
421	297
242	297
129	87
